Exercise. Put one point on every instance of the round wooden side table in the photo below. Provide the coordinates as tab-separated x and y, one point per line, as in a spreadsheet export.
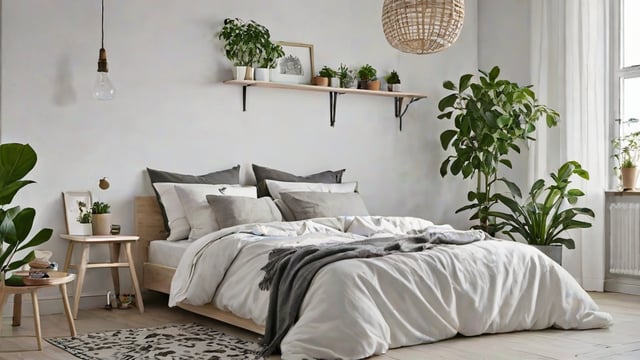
56	278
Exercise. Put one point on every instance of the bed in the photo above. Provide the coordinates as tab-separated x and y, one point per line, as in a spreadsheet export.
349	312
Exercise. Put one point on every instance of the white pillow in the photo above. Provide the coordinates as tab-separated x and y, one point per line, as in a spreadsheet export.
277	187
178	225
200	215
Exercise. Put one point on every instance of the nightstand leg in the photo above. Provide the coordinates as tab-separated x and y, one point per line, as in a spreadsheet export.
67	309
36	318
82	269
134	277
17	309
67	259
115	274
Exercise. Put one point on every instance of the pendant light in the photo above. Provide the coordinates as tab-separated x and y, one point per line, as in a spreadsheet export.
422	26
103	88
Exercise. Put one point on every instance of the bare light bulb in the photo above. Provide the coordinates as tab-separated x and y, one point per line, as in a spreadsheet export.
103	88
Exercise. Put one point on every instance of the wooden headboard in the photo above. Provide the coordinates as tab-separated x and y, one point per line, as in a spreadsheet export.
149	225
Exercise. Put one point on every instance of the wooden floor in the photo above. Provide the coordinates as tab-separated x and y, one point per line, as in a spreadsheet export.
622	341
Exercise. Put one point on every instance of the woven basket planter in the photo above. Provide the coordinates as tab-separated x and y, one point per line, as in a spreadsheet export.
422	26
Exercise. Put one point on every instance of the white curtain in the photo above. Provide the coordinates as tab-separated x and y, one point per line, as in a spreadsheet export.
570	73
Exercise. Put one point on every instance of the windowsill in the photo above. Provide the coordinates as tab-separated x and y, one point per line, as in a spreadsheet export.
623	193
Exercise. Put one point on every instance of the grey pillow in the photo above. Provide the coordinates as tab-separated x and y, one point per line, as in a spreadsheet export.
264	173
307	205
236	210
229	176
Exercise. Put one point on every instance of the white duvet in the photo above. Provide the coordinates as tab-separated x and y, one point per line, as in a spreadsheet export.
360	307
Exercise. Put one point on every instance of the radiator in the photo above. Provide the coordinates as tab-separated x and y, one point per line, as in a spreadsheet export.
624	239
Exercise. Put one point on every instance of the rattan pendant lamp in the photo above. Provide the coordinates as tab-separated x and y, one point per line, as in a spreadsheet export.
422	26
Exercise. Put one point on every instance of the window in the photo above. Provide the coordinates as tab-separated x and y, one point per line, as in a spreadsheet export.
626	62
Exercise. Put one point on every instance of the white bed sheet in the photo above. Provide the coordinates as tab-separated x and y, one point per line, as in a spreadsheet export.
167	253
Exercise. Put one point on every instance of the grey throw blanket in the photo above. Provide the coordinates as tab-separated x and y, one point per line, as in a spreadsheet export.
289	272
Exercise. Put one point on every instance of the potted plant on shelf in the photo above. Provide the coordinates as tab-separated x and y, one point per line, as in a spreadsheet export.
331	75
346	76
626	150
544	217
393	81
490	121
243	45
16	161
101	218
269	54
368	80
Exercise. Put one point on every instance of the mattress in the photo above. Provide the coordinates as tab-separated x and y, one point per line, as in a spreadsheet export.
167	253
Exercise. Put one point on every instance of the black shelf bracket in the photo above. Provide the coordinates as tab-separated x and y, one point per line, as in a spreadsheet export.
333	100
399	111
244	96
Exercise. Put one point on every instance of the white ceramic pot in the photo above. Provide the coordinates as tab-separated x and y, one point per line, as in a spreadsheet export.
84	229
261	74
394	87
101	224
239	72
334	82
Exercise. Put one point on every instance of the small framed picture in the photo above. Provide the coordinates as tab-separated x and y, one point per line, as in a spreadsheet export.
296	66
77	212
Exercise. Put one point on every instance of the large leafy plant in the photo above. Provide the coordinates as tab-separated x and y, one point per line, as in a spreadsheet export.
16	161
544	216
492	117
243	41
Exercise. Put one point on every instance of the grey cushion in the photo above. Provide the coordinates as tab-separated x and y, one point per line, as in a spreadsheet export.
229	176
263	173
308	205
237	210
287	215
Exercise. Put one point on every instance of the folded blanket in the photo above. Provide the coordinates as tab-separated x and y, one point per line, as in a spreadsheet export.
289	271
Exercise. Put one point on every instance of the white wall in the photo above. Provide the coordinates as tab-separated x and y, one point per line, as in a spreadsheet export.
172	112
504	38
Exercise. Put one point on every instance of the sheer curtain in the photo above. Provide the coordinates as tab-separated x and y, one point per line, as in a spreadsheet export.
570	73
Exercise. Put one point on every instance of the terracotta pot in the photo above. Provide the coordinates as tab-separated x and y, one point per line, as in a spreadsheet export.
101	224
321	81
373	85
629	177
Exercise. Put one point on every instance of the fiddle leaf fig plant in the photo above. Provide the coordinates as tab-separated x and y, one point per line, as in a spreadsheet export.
491	118
16	161
546	214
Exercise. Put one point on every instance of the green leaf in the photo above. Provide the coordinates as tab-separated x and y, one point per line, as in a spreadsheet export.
582	173
575	192
17	264
569	243
16	161
464	82
446	137
40	238
467	207
447	102
449	85
444	166
486	141
467	170
504	120
513	188
494	73
456	166
8	191
446	115
471	196
23	221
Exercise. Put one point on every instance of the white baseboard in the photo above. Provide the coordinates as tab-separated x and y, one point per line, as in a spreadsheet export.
53	304
623	285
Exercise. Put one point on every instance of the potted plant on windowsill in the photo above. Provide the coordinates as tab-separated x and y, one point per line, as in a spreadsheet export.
393	81
368	80
626	152
101	218
16	161
242	45
544	217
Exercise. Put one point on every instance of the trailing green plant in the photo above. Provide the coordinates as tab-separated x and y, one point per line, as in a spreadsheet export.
367	73
270	53
243	41
328	72
100	207
16	161
491	117
392	78
626	150
84	215
544	216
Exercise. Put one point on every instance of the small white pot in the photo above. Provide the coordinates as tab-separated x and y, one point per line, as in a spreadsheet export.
394	87
261	74
84	229
239	72
335	82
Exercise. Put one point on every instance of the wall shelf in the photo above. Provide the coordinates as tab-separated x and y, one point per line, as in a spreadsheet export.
402	100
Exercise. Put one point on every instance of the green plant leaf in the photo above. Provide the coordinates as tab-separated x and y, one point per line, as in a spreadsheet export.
569	243
467	207
456	166
504	121
23	221
506	163
444	166
494	73
447	102
449	85
446	137
40	238
513	188
8	191
446	115
17	264
464	82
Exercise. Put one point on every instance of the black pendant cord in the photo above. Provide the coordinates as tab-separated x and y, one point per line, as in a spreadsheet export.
102	25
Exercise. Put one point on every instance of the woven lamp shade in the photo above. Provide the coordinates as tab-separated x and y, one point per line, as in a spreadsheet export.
422	26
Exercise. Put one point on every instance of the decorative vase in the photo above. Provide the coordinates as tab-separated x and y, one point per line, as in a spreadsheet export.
335	82
320	81
629	177
101	224
239	72
261	74
552	251
373	85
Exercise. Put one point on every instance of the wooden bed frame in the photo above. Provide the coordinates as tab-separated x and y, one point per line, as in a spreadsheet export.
149	227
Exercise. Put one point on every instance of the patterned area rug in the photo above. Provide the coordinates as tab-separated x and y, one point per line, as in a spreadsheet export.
187	341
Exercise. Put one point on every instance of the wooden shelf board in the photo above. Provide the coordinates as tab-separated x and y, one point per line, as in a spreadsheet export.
325	89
